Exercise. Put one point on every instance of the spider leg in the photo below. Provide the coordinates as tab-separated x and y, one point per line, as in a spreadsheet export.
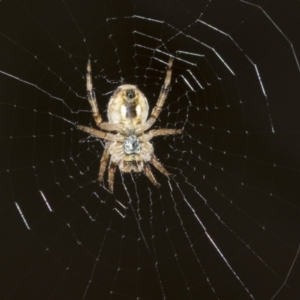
113	127
161	99
111	175
103	162
101	134
91	94
155	162
158	132
150	175
93	102
164	131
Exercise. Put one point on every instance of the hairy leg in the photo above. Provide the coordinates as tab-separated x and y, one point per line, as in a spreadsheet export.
111	175
101	134
159	166
150	175
161	99
93	102
103	162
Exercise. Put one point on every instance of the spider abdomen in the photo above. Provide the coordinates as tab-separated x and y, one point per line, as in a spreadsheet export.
128	106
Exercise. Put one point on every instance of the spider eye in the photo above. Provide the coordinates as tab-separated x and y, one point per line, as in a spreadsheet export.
130	94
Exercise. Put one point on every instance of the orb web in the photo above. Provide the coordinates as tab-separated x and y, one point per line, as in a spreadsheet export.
225	225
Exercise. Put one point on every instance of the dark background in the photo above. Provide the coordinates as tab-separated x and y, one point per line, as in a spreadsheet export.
226	225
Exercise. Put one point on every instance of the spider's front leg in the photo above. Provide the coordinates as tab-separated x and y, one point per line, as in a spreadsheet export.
104	162
155	162
147	170
146	137
111	175
149	174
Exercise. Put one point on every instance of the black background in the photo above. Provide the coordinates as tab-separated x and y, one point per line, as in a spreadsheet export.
226	225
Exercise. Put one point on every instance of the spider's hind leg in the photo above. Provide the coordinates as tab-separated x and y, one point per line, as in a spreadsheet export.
91	94
160	101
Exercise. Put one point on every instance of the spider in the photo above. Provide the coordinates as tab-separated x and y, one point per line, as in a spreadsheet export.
127	142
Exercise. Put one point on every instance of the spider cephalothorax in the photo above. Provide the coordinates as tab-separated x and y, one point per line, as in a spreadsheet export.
129	145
